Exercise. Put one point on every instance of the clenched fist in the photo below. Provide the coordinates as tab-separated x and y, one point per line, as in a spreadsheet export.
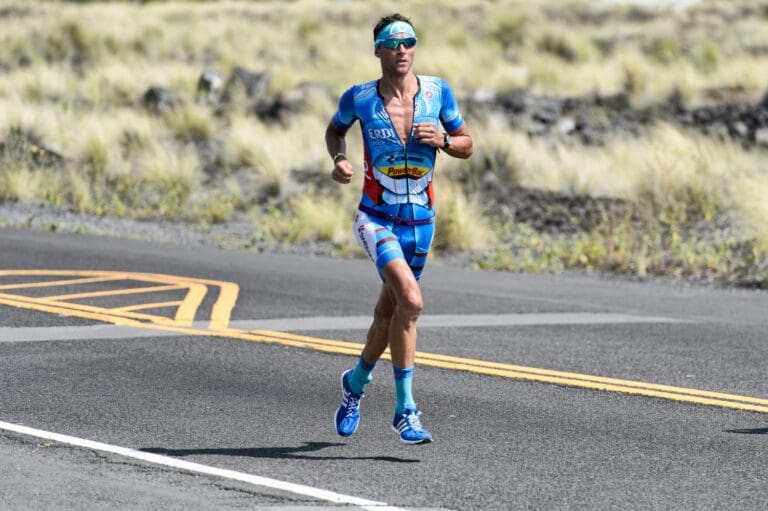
342	171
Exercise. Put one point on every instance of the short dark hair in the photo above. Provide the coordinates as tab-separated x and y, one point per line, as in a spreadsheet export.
386	20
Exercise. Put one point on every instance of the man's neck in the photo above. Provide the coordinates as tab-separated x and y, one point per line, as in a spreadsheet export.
398	86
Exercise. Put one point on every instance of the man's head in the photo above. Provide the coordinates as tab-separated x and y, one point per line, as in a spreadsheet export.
395	44
394	26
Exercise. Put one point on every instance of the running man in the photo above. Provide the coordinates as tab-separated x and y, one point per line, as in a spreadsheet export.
399	115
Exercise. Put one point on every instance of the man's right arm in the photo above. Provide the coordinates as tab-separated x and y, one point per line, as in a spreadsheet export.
337	146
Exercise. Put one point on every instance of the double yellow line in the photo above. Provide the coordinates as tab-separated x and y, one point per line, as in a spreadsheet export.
218	327
564	378
186	308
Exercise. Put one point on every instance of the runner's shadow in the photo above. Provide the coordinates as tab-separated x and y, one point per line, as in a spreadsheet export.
294	453
749	431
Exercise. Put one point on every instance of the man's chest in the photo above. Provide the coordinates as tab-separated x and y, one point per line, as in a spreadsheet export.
393	120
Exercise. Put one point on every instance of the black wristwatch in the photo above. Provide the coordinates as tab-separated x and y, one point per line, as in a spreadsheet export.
446	141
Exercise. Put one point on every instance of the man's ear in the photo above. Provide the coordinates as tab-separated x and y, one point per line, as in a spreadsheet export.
376	51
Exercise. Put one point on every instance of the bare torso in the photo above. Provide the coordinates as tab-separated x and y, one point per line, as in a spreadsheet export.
400	111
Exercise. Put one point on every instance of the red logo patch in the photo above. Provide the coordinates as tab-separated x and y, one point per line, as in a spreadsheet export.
429	94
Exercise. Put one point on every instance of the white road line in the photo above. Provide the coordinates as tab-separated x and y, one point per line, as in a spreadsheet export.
452	320
168	461
72	333
317	323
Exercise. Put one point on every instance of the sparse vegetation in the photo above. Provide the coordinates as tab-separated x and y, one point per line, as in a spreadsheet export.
74	132
462	224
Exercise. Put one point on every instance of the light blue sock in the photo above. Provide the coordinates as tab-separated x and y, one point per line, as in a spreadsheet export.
361	375
403	389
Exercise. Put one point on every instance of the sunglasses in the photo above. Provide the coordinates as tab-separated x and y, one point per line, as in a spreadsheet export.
394	43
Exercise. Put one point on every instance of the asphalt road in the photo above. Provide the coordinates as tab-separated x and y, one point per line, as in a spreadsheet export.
233	401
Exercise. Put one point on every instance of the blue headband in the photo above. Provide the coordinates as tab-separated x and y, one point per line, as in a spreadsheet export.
396	27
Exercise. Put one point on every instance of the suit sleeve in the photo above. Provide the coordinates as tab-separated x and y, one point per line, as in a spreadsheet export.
345	116
450	116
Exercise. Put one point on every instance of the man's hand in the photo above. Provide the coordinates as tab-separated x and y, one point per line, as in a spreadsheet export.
426	133
342	171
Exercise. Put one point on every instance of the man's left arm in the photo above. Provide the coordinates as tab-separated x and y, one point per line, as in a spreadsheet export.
457	142
461	141
461	145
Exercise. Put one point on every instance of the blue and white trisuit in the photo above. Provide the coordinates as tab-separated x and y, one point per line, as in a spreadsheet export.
395	218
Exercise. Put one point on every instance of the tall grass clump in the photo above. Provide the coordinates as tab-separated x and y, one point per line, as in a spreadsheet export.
167	175
497	147
248	145
567	46
309	217
274	150
23	182
462	224
509	30
190	123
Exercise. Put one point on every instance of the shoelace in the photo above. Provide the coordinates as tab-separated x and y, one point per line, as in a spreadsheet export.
413	421
351	405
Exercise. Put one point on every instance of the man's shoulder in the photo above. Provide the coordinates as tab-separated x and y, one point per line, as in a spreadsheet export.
430	79
364	89
432	83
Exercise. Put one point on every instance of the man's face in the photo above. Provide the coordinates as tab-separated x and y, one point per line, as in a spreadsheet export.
398	60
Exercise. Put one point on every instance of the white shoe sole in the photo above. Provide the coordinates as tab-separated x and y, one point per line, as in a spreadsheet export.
427	440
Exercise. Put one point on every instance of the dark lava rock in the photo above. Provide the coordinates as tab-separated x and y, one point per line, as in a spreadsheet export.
589	120
293	101
22	145
558	213
741	121
210	86
255	85
159	99
593	119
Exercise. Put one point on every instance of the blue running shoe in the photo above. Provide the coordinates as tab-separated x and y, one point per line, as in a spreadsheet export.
347	416
409	428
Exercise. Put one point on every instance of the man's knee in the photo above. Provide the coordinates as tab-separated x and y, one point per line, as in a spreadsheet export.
382	315
410	304
404	291
384	309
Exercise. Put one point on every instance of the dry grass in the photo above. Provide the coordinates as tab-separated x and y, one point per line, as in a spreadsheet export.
190	123
272	151
309	218
461	223
76	72
547	46
25	184
666	167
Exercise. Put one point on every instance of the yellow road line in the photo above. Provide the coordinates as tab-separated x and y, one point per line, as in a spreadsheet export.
77	308
185	314
66	282
57	309
221	310
115	292
569	379
143	306
447	359
502	369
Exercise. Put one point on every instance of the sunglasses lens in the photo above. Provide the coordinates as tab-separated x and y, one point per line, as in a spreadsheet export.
392	44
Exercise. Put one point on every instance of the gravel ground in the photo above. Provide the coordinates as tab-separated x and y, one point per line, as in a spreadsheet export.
232	235
236	235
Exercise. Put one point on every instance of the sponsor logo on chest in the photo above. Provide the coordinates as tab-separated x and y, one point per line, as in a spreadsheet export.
381	133
399	171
